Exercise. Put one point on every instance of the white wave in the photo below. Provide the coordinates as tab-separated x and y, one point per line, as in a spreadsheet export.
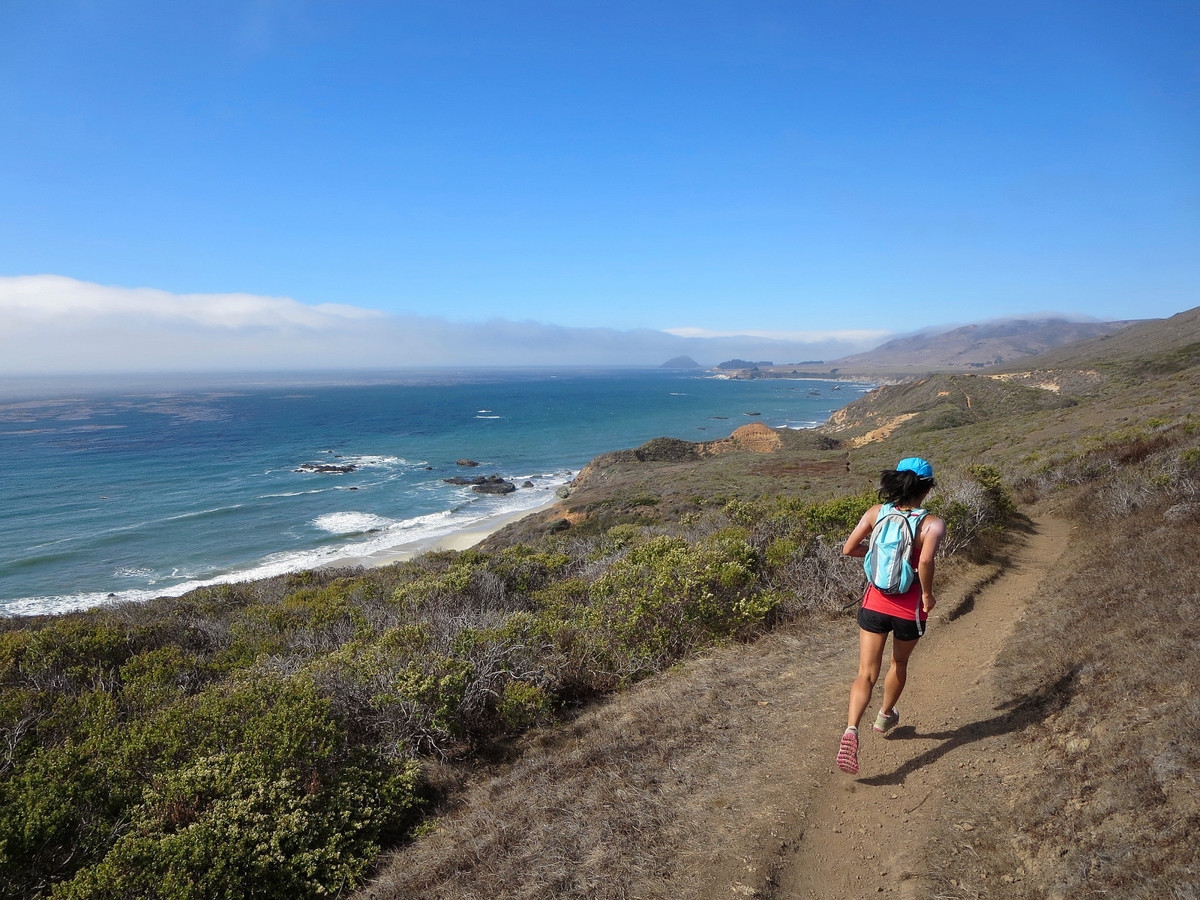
488	417
365	460
133	572
378	462
395	536
350	523
201	513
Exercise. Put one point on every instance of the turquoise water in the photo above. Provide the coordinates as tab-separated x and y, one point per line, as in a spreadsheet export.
136	489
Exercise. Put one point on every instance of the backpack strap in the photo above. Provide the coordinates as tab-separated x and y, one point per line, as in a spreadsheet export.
916	528
915	523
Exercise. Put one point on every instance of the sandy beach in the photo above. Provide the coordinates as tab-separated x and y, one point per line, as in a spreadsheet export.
463	539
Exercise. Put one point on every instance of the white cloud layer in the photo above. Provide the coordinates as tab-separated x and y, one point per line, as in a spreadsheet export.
51	324
800	337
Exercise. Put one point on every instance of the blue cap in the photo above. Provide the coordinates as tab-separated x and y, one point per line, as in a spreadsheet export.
917	465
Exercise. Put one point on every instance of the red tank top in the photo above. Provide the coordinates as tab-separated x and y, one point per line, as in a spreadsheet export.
903	606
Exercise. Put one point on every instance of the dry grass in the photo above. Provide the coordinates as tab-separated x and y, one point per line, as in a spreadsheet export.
647	796
1108	803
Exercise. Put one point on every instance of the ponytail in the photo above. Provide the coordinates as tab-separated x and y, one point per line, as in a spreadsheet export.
902	487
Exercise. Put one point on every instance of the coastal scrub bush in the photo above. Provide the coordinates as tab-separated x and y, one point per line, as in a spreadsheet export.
837	517
774	517
799	543
271	803
811	575
108	746
56	809
972	505
157	678
666	597
524	705
524	569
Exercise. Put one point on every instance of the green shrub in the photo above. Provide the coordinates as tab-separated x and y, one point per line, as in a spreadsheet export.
229	826
56	810
524	705
971	507
837	518
625	535
781	551
666	597
745	512
156	678
524	569
268	801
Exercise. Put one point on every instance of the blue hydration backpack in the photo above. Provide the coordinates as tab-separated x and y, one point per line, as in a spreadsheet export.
887	561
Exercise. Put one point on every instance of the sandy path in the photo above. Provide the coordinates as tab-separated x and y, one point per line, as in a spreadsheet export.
865	835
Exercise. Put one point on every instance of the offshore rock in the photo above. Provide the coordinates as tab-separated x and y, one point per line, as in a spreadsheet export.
326	468
469	463
494	484
484	484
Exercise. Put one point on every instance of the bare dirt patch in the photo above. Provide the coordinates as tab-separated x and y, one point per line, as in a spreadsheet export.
755	437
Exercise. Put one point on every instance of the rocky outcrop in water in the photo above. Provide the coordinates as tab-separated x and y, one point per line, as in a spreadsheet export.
484	484
494	484
326	468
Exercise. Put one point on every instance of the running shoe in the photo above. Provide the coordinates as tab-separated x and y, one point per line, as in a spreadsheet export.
884	723
847	758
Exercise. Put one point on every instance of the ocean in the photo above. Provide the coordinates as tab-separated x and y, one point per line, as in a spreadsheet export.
130	488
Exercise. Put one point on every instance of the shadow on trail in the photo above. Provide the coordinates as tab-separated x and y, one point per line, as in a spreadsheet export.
1016	715
1017	523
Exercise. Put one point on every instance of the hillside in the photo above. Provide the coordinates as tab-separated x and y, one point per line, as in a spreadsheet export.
1151	348
973	347
969	348
1076	394
638	692
1031	761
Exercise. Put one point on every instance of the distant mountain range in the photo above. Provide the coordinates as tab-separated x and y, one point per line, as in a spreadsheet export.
968	348
973	347
1149	366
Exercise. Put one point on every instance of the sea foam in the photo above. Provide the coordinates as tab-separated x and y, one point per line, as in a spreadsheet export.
351	523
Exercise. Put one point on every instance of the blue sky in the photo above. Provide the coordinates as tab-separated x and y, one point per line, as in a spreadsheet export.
531	175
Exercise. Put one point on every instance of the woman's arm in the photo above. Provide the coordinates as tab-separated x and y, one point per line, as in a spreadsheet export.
933	530
855	545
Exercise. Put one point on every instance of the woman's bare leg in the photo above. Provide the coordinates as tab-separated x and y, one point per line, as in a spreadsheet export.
870	659
897	674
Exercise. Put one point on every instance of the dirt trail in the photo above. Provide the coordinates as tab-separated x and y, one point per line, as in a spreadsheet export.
717	781
865	835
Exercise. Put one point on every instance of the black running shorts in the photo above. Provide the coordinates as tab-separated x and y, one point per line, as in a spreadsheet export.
882	623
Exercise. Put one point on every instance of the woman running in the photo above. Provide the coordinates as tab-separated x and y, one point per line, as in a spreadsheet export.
904	489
